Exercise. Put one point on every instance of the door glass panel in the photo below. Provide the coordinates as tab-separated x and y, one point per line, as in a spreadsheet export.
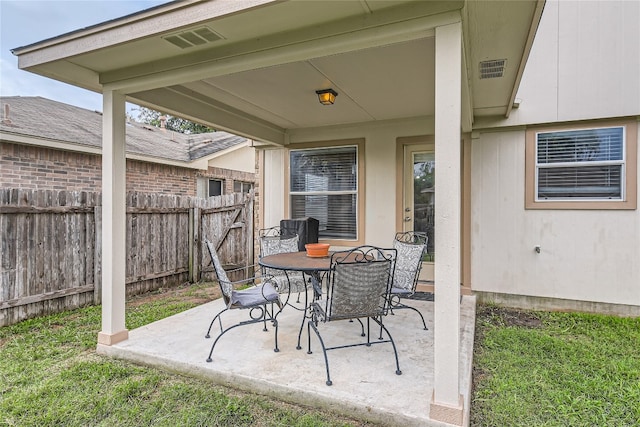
424	174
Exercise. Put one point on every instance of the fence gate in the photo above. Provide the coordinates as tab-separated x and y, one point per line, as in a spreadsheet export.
226	221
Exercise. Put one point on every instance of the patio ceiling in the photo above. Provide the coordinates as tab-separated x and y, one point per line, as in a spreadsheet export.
258	75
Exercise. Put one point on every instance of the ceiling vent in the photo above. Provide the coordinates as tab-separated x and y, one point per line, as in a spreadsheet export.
492	69
197	37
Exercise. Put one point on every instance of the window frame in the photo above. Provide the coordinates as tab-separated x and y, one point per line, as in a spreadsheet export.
221	181
629	168
243	184
360	186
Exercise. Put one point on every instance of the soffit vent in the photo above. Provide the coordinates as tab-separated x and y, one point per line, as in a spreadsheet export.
492	69
197	37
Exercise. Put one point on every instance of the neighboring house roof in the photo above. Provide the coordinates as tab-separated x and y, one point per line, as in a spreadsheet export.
41	118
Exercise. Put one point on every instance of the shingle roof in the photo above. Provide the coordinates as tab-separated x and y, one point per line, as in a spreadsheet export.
43	118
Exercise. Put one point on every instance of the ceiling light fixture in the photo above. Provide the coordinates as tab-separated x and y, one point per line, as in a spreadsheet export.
327	96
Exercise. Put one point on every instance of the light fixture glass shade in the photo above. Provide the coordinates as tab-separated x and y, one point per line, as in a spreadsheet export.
327	96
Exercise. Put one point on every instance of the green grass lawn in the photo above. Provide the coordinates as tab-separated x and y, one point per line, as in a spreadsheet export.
555	369
530	369
50	375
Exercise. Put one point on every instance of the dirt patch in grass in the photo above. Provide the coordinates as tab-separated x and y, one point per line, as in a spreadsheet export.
509	317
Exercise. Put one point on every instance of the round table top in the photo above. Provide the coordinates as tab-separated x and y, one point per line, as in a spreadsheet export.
298	261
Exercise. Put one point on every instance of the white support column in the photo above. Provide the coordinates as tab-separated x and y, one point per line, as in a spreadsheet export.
113	219
447	403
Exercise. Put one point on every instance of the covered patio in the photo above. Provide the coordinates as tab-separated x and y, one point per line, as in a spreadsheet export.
365	385
405	72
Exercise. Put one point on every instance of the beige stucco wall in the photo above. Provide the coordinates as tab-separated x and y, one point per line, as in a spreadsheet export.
584	64
240	159
588	255
380	169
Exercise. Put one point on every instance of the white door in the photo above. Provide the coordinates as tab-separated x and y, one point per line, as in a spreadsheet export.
419	198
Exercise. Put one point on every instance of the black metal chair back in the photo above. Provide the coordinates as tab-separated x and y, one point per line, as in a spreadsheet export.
273	242
358	287
411	247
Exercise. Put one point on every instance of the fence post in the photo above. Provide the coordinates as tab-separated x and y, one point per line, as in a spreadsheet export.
195	243
97	264
191	243
248	232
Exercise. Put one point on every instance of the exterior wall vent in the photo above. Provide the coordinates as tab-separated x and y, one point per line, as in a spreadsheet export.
492	69
197	37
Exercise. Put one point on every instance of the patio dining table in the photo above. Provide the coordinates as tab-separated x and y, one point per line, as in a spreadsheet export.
300	261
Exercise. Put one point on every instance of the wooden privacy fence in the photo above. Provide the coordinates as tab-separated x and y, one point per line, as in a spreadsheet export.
50	257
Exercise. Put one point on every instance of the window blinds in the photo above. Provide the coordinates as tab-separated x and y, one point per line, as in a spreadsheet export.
323	185
580	164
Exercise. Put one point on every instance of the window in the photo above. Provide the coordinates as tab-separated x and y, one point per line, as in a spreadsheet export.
215	187
588	167
324	185
242	187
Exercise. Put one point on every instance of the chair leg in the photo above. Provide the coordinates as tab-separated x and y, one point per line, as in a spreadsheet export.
275	325
217	316
209	359
273	316
399	305
304	317
424	324
266	315
311	324
395	351
362	334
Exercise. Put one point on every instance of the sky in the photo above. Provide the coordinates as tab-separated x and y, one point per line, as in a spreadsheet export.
24	22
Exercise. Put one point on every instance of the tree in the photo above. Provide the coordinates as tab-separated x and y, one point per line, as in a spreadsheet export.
177	124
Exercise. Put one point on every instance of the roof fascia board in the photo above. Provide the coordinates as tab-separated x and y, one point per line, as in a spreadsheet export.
165	18
193	106
15	138
278	49
533	28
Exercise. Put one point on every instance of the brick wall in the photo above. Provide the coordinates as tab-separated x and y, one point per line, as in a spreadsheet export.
157	178
31	167
227	176
34	167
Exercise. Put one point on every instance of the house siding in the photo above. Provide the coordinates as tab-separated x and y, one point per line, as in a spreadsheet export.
584	65
583	68
585	255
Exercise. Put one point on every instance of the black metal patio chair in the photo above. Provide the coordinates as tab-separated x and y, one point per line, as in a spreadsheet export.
358	287
260	299
411	247
273	242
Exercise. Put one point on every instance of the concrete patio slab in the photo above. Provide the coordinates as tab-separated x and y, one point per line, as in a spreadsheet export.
365	384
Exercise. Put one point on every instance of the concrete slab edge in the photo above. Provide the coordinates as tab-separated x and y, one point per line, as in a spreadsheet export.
252	385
